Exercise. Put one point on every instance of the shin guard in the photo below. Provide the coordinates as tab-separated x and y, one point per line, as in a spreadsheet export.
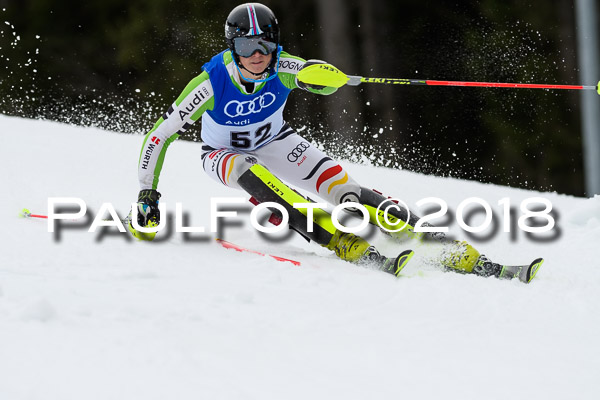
265	187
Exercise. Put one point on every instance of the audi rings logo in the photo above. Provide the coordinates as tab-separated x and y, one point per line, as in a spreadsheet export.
242	108
295	154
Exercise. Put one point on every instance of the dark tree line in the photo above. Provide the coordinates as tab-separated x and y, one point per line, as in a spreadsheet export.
118	64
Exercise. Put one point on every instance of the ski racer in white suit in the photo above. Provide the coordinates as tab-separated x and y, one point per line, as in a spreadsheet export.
240	96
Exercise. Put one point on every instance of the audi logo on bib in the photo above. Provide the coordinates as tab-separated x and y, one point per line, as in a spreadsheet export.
242	108
295	154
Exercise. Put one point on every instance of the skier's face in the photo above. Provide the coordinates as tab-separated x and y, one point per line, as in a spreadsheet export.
257	62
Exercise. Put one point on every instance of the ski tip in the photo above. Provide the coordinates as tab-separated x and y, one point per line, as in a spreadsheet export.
534	267
401	261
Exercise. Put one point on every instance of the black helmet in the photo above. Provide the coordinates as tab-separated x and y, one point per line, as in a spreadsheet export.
251	19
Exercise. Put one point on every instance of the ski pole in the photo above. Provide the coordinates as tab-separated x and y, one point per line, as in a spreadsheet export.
327	75
357	80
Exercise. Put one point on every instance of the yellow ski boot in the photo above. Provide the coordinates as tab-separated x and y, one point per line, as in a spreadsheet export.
355	249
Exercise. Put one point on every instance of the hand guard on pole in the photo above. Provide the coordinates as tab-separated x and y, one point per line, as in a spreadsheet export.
317	76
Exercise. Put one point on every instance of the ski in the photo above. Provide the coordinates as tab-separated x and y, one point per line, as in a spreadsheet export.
229	245
525	273
395	265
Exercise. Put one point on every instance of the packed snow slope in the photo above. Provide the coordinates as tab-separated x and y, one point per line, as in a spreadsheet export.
101	316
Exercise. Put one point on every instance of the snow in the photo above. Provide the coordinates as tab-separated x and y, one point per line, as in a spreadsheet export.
101	316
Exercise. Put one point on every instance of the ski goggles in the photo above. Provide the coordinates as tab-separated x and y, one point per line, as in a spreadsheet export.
246	46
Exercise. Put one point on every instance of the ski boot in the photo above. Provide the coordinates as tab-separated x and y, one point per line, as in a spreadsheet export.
525	273
355	249
460	256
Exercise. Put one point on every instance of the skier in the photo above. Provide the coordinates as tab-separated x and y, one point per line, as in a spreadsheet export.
240	96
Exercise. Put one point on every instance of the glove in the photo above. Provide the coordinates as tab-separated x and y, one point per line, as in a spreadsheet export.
307	86
148	212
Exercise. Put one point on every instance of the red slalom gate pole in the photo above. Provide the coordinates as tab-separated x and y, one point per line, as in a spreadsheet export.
25	213
229	245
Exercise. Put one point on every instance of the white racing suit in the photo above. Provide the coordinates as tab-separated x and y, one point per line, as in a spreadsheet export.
247	145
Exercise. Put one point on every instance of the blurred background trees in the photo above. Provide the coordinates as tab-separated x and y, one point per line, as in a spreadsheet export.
119	64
